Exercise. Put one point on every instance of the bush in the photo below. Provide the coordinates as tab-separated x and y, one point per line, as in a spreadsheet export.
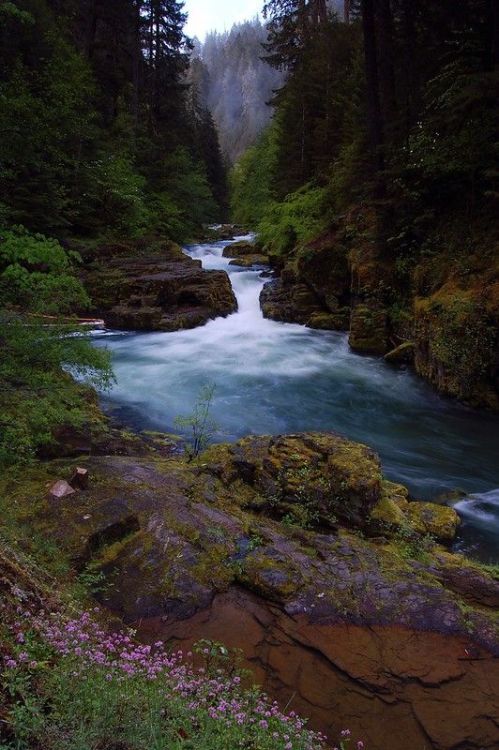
73	686
298	219
40	350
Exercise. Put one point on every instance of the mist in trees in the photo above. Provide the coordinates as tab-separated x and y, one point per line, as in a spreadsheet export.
390	102
235	84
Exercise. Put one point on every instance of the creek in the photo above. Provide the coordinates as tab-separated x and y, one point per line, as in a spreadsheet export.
273	378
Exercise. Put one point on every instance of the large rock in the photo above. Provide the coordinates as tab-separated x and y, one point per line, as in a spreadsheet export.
240	249
369	329
166	291
271	541
289	302
313	479
247	261
413	520
313	292
457	342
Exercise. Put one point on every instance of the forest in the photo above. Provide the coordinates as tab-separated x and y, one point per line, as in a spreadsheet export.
249	376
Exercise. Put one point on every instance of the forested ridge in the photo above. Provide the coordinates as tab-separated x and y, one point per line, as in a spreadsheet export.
236	84
98	133
101	142
377	184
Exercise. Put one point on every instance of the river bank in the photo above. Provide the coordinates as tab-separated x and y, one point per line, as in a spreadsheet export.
272	377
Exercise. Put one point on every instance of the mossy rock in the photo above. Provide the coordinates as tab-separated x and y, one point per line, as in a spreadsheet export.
240	249
387	514
369	329
436	520
394	513
327	321
316	478
247	261
457	343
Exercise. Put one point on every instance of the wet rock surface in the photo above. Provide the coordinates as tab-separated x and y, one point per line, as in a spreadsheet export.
162	291
289	302
275	544
241	249
397	687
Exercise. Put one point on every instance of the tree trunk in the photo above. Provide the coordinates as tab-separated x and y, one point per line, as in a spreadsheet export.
386	67
373	98
494	33
136	63
347	6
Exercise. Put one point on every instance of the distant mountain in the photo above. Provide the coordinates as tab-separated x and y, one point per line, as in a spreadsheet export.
231	80
229	77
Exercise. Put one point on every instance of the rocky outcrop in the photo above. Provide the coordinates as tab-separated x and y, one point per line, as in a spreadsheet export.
457	342
250	260
314	291
245	254
394	687
369	329
163	291
240	249
296	547
275	515
289	302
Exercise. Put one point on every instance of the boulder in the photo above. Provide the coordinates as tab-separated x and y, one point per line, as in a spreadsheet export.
240	249
289	303
369	329
166	291
412	519
314	479
246	261
436	520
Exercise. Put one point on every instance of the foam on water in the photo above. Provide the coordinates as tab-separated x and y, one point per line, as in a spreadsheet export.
272	377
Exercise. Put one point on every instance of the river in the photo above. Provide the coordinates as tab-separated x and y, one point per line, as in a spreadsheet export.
274	378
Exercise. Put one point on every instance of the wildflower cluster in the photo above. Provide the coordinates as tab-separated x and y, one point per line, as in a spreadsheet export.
99	687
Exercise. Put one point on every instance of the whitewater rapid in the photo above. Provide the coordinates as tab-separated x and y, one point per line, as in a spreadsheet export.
274	378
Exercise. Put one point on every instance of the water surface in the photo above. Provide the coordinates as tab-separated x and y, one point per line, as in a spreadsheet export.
274	378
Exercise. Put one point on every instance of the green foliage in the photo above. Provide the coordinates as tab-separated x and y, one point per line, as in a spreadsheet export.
199	424
95	141
41	352
65	701
37	274
50	123
219	659
464	341
291	223
115	198
414	546
251	181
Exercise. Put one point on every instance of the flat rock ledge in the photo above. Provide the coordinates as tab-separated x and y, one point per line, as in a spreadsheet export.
163	291
330	578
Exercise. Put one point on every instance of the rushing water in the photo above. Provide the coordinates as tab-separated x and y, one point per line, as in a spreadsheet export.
274	377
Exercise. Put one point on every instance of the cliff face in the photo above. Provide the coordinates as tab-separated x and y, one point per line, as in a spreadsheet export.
438	311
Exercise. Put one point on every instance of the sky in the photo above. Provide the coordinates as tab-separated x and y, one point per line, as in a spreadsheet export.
219	15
